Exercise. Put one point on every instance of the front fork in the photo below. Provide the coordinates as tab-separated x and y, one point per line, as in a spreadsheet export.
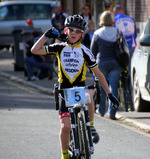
74	129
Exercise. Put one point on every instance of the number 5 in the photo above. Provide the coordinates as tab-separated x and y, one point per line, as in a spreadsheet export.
77	96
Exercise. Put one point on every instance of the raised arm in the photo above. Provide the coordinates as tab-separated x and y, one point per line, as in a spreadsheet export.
37	48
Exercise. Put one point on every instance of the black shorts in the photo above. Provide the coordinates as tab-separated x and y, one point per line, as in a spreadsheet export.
62	105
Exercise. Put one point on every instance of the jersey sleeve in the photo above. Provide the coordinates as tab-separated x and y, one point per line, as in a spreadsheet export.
53	48
90	59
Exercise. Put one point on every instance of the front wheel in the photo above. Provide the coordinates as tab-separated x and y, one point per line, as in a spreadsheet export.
83	141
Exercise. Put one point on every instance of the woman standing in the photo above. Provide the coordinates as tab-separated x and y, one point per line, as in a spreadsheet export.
103	44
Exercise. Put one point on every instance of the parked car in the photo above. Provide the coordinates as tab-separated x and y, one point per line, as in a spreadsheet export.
140	71
15	13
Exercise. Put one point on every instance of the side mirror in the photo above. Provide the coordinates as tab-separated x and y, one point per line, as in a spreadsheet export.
145	40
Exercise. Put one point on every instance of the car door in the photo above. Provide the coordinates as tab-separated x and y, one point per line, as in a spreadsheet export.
144	81
147	56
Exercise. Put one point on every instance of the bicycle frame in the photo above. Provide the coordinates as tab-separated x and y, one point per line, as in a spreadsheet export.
75	110
73	116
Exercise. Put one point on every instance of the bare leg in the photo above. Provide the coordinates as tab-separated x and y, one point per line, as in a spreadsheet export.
65	132
91	108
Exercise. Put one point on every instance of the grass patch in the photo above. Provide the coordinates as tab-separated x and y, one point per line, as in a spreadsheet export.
148	131
128	122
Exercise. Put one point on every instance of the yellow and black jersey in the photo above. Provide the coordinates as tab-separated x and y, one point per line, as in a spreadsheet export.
71	62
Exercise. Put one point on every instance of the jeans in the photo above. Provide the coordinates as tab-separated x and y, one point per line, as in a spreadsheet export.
111	70
131	50
43	67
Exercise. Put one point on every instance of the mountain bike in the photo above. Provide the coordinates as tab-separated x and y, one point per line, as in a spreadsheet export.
55	65
125	92
76	98
97	93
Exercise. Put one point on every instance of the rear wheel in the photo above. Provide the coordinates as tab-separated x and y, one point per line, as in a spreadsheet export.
55	65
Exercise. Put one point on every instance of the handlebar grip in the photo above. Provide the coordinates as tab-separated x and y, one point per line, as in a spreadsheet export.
115	106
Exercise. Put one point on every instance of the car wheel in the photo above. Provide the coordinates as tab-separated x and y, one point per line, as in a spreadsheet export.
139	103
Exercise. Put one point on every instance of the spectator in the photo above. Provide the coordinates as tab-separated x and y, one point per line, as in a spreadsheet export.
127	26
29	23
31	61
86	13
58	18
103	43
89	34
108	7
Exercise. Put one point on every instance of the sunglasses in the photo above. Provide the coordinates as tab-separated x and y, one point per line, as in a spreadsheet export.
77	31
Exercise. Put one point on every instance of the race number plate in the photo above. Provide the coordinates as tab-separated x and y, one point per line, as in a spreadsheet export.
74	96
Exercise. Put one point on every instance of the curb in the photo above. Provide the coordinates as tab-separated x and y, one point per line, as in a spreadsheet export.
134	122
19	80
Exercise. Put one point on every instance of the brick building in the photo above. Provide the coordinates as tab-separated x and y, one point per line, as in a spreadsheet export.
137	9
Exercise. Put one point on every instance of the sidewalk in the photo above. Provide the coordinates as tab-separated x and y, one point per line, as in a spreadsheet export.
142	120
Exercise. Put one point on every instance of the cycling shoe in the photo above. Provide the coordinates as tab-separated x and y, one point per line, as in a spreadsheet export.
95	135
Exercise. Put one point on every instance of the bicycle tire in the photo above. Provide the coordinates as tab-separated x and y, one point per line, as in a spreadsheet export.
126	98
83	141
55	65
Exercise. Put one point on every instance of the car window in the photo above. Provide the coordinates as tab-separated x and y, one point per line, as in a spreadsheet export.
23	12
147	28
36	11
9	13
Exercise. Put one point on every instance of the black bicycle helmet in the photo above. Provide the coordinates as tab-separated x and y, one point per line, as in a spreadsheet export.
76	21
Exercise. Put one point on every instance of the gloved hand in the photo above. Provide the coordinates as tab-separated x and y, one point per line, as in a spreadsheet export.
114	100
63	38
52	33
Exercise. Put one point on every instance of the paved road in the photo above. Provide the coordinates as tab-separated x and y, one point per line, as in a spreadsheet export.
141	120
29	129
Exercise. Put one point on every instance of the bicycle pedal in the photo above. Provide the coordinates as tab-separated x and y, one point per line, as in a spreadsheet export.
70	154
95	135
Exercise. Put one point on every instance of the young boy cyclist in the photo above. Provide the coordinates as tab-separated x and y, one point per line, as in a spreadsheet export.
72	59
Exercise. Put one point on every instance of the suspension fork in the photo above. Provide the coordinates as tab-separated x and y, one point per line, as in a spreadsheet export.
87	120
74	130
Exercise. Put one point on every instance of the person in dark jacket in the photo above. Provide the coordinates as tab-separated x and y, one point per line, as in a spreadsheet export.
58	19
43	64
103	44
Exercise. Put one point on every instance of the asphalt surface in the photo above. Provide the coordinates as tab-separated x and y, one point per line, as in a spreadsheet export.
140	120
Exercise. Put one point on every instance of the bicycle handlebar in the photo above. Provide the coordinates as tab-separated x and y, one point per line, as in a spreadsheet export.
95	85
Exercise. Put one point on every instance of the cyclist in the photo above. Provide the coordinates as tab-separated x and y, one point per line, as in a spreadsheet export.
72	58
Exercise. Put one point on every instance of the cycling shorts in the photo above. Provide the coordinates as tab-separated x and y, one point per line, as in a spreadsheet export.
63	110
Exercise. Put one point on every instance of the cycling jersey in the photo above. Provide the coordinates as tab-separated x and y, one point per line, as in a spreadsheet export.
127	26
71	62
